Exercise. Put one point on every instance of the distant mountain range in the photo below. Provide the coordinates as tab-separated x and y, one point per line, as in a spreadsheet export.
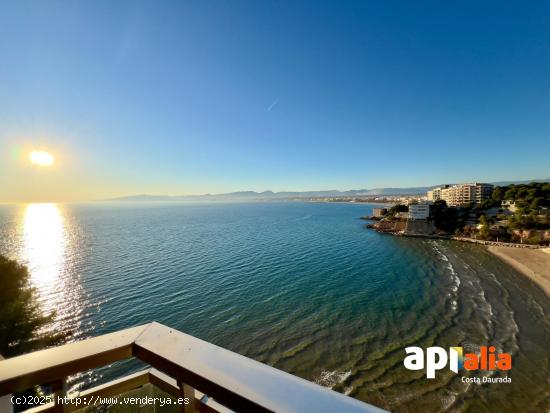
267	195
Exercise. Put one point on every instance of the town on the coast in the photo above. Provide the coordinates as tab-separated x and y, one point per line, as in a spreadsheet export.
475	212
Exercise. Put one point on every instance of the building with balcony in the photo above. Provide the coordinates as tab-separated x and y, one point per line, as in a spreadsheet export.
435	193
196	375
456	195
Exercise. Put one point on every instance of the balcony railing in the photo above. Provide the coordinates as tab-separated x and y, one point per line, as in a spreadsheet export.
212	378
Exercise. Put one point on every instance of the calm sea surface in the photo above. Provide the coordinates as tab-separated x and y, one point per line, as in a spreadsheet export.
300	286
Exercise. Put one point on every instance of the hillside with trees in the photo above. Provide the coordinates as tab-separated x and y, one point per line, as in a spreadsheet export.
524	218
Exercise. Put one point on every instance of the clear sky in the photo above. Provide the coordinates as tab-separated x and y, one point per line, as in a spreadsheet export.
186	97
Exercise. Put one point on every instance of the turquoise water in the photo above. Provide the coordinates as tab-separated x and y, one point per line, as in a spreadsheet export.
300	286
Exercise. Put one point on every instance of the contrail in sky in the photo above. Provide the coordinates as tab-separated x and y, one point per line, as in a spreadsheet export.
273	105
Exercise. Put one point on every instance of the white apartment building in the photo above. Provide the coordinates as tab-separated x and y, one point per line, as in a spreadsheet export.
419	211
461	194
435	193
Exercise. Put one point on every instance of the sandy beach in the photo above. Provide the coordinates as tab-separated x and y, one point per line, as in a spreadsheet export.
534	263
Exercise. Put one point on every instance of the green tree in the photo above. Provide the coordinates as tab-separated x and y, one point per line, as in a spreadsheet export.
445	218
398	208
536	203
497	194
534	239
21	318
488	203
510	193
484	231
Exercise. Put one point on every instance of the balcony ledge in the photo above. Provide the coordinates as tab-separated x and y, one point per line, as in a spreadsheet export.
179	362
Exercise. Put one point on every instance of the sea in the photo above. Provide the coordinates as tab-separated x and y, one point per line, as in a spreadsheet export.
300	286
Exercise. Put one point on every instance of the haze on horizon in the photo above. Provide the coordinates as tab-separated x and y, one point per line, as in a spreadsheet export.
196	97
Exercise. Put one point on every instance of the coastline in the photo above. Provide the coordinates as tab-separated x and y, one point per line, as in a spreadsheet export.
533	263
419	229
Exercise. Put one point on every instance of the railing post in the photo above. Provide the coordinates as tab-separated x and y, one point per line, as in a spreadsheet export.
188	392
59	390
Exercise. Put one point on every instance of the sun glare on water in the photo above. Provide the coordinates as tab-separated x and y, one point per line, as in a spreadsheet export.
44	242
41	158
46	251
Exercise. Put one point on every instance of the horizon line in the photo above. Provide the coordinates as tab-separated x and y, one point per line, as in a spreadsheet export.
253	192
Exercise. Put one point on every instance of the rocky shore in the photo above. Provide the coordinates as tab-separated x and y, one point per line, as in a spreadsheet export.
498	243
407	228
423	229
370	218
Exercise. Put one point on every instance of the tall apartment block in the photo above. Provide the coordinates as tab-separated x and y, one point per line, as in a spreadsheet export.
461	194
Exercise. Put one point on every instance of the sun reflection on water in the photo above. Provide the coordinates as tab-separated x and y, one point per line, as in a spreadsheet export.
45	242
46	250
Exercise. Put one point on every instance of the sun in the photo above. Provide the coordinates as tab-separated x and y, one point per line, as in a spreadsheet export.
41	158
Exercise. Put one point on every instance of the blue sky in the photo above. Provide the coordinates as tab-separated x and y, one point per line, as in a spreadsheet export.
213	96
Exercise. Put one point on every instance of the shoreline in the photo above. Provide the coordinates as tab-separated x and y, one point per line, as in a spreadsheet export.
401	229
533	263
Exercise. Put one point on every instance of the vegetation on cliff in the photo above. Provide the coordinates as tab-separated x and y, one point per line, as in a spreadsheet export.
21	318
